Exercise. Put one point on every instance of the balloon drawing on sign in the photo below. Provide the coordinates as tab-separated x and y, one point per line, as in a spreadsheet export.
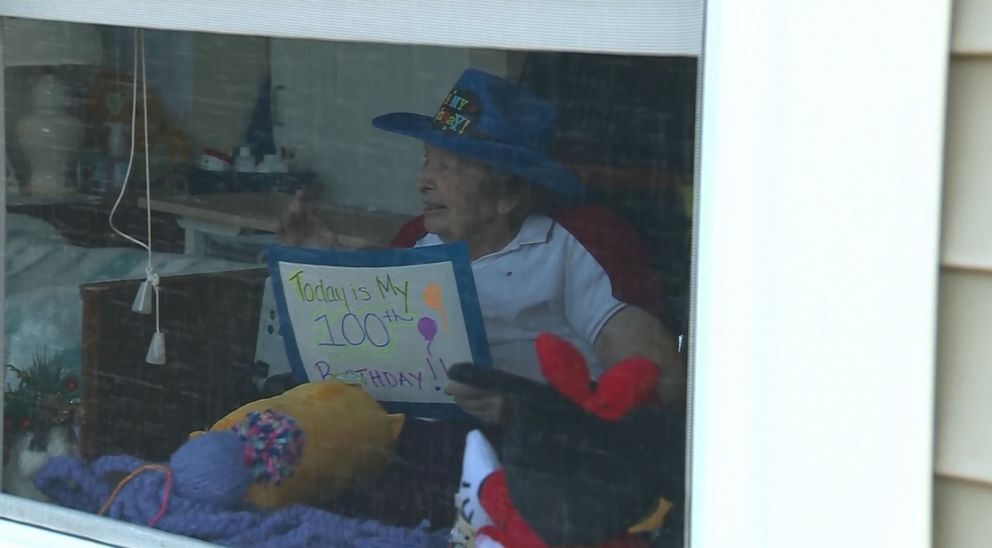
432	298
428	329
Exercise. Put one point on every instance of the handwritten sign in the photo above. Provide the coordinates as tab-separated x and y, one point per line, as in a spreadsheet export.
390	320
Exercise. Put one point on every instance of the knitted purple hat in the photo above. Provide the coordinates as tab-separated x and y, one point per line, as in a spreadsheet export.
219	467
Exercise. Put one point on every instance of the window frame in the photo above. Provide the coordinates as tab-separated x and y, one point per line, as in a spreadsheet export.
761	435
645	27
671	28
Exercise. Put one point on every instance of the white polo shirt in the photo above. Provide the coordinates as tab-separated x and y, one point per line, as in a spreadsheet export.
543	280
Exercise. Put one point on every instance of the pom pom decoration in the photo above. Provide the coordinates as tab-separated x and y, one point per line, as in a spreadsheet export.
349	438
273	445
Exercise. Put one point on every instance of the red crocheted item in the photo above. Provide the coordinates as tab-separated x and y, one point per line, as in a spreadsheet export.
623	387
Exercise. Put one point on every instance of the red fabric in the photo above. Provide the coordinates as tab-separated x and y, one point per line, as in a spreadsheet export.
616	247
626	385
509	529
609	239
409	233
564	367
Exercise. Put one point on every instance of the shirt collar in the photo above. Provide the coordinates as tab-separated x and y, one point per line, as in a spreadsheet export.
536	229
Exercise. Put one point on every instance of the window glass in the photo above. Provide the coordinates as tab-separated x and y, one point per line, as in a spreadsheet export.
264	290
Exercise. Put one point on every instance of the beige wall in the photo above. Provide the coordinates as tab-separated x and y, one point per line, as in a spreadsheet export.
326	94
963	451
228	72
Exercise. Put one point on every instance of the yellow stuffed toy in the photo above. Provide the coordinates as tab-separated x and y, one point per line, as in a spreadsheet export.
348	439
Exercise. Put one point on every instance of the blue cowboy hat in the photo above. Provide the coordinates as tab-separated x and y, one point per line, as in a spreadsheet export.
496	122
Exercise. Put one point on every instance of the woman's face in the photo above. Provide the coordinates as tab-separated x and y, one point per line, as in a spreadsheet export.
460	197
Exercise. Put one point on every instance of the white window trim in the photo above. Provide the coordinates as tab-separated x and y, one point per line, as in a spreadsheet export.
815	307
26	523
672	27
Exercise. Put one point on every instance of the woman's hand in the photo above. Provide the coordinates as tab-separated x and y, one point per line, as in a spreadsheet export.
301	225
484	405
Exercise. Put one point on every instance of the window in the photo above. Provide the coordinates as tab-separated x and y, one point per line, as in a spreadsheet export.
254	141
821	137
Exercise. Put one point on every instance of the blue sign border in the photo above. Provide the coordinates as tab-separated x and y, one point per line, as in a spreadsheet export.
456	254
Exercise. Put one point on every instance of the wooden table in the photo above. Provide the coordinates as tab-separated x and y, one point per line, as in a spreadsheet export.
233	213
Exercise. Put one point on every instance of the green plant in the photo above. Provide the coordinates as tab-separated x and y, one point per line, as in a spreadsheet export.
46	395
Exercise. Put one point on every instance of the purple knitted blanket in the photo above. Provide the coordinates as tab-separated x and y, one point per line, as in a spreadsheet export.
148	499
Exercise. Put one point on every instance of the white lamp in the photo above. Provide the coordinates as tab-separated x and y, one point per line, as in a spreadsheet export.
48	136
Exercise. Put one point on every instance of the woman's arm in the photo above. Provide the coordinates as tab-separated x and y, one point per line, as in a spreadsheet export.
633	332
628	333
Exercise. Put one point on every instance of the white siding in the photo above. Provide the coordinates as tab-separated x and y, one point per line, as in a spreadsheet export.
962	514
964	431
972	30
967	230
963	452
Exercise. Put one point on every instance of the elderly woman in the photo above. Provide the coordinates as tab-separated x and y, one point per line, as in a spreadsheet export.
488	180
541	262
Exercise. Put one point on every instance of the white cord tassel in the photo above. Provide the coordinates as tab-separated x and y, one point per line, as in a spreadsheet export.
156	350
149	287
143	300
